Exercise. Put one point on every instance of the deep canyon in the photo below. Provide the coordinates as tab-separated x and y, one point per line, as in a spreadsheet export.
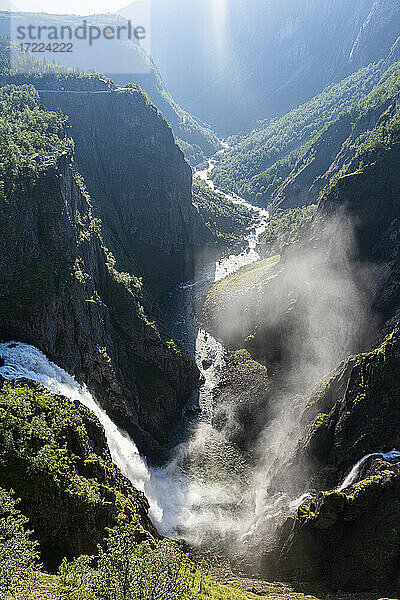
199	337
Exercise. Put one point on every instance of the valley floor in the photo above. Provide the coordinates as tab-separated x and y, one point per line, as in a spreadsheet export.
48	587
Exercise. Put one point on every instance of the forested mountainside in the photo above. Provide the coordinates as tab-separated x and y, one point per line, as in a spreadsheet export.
277	161
340	253
222	217
281	54
195	139
60	287
368	127
256	165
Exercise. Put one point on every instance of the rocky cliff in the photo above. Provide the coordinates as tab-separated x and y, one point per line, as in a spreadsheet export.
138	179
124	62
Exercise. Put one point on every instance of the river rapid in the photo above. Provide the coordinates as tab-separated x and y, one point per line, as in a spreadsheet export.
211	473
197	494
207	493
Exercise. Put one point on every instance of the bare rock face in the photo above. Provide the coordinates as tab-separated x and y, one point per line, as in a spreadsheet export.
378	32
139	181
60	291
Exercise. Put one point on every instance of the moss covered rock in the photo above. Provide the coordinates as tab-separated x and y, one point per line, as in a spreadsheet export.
54	455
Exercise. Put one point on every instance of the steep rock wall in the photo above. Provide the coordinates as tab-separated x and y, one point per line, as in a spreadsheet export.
60	291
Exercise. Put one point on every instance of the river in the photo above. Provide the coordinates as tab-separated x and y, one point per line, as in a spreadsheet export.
207	492
195	494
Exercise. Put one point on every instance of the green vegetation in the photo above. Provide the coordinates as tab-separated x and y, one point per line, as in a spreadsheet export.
26	69
33	147
284	227
46	436
256	165
128	570
359	137
31	137
18	552
195	139
383	137
54	455
226	220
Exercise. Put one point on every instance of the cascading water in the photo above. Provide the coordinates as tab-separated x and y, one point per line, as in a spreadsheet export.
186	495
355	471
206	492
199	486
22	360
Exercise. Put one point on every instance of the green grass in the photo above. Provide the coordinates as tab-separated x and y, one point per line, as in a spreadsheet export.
252	276
47	587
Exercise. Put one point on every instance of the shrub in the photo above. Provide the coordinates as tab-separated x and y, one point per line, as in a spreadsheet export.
17	551
128	570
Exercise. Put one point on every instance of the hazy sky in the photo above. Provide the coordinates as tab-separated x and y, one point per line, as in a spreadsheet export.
79	7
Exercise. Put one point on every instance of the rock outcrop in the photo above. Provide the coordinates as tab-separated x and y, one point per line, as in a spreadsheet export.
139	181
61	292
55	457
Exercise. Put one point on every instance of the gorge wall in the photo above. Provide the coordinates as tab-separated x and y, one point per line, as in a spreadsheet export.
61	291
139	181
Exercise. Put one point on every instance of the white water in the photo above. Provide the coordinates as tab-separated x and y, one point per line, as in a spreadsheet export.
184	496
202	494
354	473
200	490
182	502
22	360
233	263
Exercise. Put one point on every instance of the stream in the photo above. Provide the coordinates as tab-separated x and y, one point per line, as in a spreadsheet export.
206	493
197	494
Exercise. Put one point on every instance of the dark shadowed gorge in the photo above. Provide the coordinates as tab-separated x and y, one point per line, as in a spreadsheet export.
200	304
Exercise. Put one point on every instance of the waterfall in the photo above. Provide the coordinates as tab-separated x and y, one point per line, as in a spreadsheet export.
352	476
22	360
191	496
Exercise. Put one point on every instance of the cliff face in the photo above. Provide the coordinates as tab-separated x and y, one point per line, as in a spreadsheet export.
138	179
378	33
61	292
124	63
